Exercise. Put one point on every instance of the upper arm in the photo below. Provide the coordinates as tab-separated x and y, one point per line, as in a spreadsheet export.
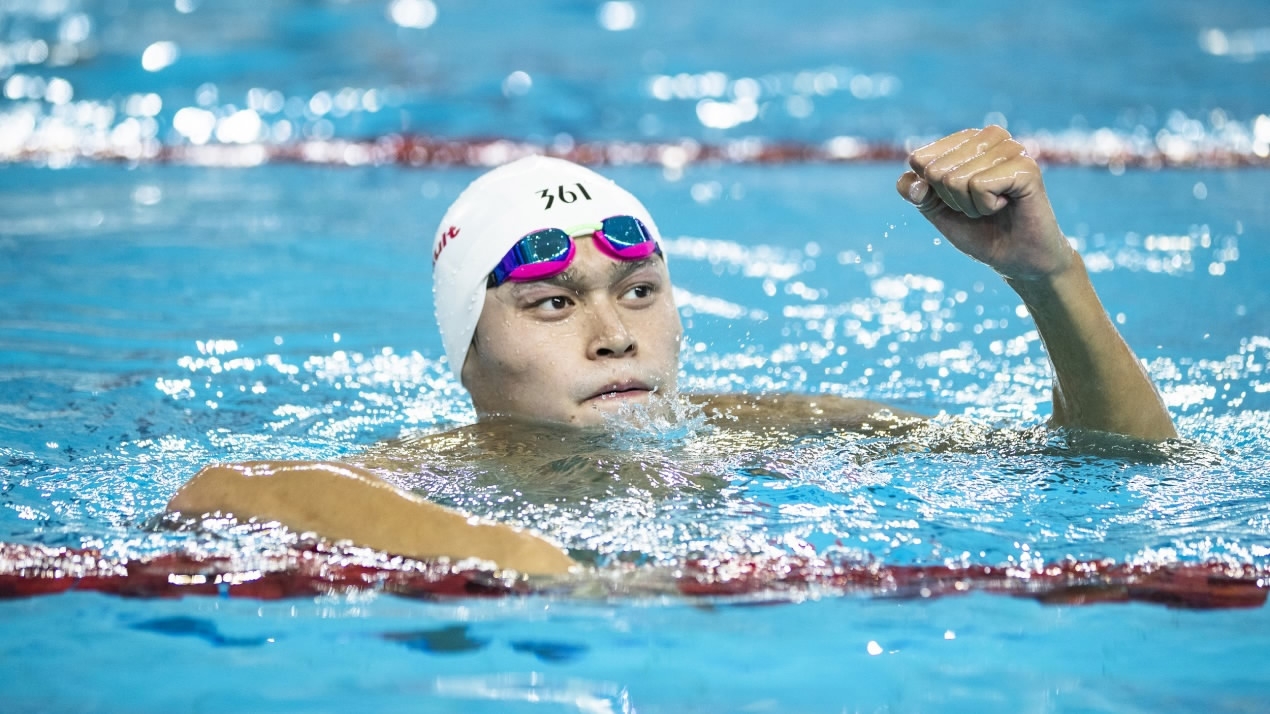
806	412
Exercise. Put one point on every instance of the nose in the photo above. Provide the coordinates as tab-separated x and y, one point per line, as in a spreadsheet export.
610	336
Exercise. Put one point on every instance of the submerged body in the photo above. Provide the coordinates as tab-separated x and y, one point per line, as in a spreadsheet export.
374	499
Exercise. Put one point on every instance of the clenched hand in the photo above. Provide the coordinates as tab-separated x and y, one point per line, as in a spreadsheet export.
985	195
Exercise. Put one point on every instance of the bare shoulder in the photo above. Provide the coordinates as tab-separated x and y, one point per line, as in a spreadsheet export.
390	453
492	441
805	413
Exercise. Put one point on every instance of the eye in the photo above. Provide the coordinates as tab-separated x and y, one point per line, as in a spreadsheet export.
640	292
554	303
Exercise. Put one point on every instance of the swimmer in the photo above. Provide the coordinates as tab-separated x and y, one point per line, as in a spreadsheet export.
554	304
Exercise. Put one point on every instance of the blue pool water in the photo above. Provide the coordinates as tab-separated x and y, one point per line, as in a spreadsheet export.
161	315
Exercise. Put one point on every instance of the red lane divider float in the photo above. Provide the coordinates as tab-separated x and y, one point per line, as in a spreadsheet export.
1108	150
321	569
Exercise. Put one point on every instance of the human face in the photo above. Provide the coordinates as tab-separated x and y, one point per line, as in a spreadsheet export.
576	346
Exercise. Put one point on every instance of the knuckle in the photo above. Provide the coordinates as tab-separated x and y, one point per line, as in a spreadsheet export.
1013	147
1022	162
995	131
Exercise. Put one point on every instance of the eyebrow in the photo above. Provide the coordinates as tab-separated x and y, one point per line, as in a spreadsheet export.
570	279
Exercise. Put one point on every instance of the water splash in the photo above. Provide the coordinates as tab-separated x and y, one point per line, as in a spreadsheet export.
665	419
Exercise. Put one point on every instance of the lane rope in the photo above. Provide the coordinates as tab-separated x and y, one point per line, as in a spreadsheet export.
1112	152
319	568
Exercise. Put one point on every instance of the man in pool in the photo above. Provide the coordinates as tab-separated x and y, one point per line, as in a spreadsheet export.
555	307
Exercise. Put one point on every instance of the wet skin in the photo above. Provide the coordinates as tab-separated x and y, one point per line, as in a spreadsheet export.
572	348
983	192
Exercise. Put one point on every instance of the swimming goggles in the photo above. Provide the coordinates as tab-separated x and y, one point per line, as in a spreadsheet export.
548	252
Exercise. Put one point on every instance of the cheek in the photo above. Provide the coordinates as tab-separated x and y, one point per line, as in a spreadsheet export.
671	326
663	334
520	359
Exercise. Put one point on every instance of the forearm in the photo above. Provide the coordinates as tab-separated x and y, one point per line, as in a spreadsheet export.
342	502
1099	384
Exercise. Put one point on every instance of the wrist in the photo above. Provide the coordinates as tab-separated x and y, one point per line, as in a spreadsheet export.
1052	284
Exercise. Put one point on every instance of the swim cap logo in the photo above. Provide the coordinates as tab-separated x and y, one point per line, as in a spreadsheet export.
566	195
450	234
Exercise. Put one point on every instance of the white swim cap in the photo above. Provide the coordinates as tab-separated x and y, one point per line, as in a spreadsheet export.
498	209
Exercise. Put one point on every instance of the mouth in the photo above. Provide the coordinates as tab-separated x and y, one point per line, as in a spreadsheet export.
618	391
